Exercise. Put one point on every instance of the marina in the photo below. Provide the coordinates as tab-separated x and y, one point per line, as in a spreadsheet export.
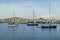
29	20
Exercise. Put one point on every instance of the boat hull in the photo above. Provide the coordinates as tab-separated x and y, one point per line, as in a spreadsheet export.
12	25
32	24
54	26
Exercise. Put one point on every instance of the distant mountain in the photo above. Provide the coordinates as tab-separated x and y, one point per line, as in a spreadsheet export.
17	19
24	20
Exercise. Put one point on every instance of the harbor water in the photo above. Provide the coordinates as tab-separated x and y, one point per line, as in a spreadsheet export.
24	32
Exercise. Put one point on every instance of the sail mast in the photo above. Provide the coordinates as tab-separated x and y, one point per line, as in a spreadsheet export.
33	15
13	13
13	17
49	12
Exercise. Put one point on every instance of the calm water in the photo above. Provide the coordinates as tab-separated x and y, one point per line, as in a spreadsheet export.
24	32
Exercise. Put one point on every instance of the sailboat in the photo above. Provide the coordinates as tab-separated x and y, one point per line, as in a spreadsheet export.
50	24
13	24
33	23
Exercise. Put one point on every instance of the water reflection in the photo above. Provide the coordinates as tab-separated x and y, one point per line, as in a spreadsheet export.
48	33
23	32
12	33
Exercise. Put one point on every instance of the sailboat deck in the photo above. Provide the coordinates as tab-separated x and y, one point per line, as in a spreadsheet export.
32	24
49	26
13	25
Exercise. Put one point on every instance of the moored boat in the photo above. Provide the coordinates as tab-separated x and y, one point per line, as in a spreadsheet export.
49	25
14	23
33	23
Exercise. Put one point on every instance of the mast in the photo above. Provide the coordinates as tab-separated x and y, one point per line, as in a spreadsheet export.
13	13
54	12
13	17
33	15
49	13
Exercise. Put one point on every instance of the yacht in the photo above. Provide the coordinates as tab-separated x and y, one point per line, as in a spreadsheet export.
50	24
33	23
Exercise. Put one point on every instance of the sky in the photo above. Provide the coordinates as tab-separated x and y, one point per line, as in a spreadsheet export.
24	8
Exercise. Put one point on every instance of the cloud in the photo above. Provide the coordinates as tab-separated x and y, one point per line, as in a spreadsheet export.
25	4
24	9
